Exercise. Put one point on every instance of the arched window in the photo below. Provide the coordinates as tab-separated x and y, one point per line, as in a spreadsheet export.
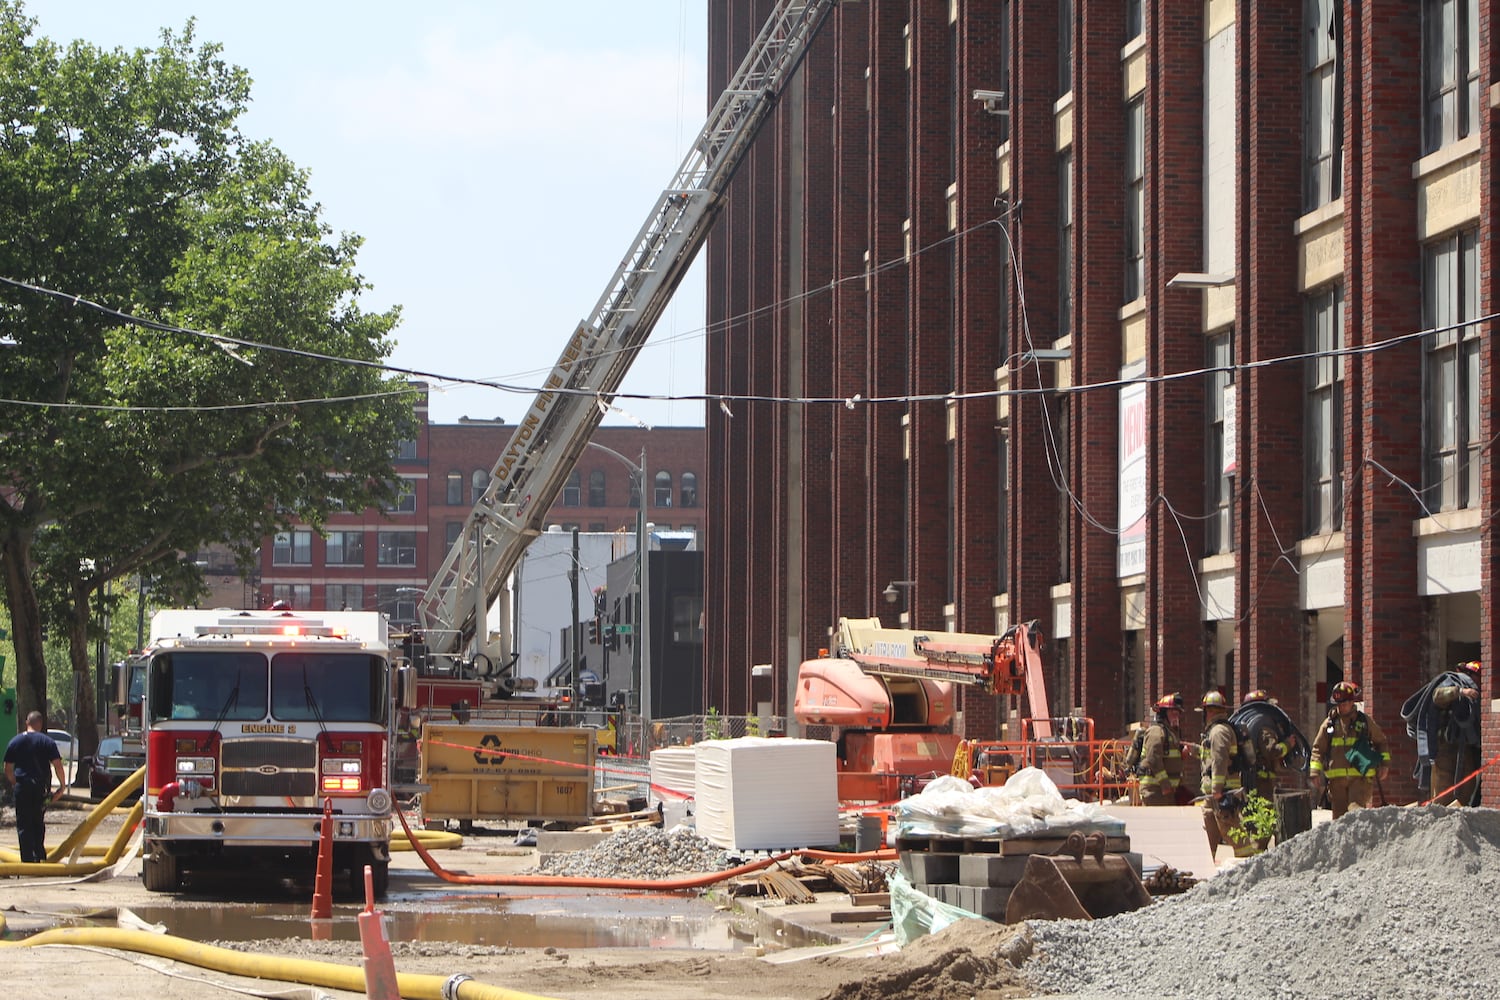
455	488
689	490
596	488
663	489
572	492
480	481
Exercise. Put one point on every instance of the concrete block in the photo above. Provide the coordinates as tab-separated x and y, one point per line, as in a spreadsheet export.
990	870
934	869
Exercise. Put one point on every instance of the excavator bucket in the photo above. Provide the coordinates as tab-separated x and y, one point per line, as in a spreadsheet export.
1066	888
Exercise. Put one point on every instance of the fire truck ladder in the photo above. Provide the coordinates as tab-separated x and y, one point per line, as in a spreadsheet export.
547	442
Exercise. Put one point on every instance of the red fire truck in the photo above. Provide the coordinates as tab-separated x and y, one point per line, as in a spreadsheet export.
252	720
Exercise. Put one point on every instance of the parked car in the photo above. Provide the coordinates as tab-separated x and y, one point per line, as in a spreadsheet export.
108	768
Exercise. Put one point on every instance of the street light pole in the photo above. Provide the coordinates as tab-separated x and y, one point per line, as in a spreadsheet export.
640	660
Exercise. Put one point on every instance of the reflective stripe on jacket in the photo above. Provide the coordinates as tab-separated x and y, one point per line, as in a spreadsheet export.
1219	754
1337	737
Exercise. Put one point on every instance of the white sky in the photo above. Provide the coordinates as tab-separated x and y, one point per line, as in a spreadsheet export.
498	158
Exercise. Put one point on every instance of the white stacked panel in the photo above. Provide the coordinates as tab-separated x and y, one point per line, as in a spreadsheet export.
767	794
672	770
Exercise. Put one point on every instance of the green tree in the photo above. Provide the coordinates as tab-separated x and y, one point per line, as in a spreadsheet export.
128	439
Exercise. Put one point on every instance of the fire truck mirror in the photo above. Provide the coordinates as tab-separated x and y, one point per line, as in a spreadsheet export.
405	689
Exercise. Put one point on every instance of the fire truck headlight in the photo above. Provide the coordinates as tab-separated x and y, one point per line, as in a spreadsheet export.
195	765
341	765
379	800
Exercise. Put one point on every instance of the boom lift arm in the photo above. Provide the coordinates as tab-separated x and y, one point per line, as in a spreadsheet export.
1005	664
548	441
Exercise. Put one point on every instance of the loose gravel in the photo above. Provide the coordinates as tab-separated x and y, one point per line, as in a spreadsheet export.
641	852
1383	903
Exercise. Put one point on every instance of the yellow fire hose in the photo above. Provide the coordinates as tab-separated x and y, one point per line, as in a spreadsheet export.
330	975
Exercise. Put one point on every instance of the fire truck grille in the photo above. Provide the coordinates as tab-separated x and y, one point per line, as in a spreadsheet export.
270	767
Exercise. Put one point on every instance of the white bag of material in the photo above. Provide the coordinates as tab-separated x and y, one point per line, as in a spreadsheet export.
758	794
672	775
1029	804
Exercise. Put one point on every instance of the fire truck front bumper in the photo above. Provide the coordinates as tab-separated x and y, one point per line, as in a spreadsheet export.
265	829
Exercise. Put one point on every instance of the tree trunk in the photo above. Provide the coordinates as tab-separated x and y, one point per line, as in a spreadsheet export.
86	728
26	624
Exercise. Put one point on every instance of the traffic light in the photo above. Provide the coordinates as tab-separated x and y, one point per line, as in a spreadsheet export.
593	631
611	638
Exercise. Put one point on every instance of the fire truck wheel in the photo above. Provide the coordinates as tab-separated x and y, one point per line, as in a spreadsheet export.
159	873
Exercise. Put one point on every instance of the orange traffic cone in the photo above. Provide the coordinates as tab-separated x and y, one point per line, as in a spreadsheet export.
380	967
322	904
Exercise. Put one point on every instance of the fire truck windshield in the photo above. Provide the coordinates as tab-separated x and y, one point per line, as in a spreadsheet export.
211	685
328	687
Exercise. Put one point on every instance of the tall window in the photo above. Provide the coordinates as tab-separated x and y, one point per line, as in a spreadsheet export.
635	490
689	490
1004	87
478	483
292	548
451	532
344	597
398	602
406	450
1218	533
297	595
406	498
1323	102
1325	412
596	488
661	489
1065	244
1450	295
345	548
396	548
1450	71
1133	22
455	493
1065	497
1135	200
1064	46
573	490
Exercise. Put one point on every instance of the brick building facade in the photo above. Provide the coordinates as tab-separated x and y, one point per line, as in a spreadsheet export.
1165	325
383	560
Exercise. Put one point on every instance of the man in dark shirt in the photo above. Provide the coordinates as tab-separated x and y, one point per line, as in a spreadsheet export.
26	761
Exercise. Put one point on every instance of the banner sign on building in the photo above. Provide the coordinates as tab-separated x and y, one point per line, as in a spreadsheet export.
1231	431
1132	540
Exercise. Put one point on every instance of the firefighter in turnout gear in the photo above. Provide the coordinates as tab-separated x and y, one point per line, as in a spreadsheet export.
1350	753
1219	753
1456	700
1269	751
1160	766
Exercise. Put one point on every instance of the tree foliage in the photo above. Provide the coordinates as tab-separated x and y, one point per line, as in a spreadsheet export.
207	374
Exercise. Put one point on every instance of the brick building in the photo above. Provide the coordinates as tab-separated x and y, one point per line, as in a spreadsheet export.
384	559
1162	324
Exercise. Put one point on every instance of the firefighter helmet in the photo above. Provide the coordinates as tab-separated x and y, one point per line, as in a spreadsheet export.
1344	691
1470	667
1166	701
1213	699
1259	694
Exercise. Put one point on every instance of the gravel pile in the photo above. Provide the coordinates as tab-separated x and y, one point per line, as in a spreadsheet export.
1383	903
642	852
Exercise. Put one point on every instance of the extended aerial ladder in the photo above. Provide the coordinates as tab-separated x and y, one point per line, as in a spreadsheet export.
548	440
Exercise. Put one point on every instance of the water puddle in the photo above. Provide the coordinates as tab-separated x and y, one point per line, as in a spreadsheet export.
558	919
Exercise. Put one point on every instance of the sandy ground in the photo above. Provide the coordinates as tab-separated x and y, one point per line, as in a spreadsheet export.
962	962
